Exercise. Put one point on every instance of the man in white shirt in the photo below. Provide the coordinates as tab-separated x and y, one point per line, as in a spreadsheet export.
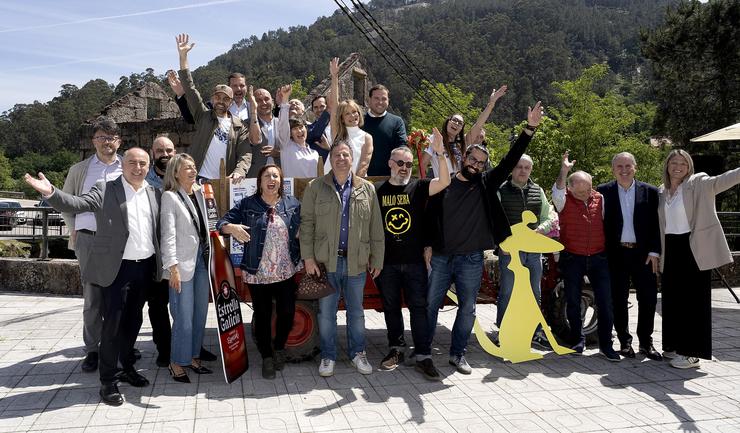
124	259
104	165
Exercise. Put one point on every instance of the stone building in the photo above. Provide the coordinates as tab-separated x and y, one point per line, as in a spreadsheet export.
353	82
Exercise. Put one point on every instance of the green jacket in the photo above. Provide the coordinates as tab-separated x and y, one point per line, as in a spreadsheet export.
238	151
321	216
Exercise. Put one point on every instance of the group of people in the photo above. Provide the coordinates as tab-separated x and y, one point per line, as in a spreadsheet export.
140	232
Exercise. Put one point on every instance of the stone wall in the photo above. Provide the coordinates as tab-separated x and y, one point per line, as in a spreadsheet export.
58	276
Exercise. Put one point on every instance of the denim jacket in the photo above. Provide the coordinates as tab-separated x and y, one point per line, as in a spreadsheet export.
252	212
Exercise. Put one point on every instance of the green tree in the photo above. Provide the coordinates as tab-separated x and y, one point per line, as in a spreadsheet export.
6	173
696	68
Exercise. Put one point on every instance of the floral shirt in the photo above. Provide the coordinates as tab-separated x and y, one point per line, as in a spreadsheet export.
275	265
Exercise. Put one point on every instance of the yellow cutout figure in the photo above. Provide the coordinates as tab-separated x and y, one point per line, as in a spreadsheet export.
523	314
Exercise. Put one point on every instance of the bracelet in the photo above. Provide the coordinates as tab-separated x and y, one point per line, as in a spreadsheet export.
530	127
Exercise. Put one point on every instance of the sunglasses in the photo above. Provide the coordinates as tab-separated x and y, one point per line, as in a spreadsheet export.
408	164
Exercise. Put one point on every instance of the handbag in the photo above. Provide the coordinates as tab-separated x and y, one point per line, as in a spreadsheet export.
312	287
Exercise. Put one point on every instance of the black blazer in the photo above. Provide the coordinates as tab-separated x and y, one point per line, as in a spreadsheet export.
645	218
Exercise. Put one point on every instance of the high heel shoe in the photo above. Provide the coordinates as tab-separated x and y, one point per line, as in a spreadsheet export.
200	369
182	378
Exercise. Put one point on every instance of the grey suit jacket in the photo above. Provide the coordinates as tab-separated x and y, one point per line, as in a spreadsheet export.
108	201
180	240
73	185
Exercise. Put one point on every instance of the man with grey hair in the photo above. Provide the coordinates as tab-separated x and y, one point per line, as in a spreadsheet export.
518	194
582	233
633	249
404	276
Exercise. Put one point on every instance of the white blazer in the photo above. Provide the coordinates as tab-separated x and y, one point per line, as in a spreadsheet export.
179	243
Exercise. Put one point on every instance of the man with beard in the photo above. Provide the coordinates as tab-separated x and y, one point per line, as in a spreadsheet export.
218	133
162	151
263	146
402	203
103	165
387	129
456	256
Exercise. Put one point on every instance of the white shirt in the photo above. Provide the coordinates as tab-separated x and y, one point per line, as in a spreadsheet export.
435	162
355	139
139	244
216	150
240	111
97	170
676	222
298	161
627	203
371	114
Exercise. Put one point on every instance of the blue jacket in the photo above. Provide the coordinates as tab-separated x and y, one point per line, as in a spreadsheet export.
252	212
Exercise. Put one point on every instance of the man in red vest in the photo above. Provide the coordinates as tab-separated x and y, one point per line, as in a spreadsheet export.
581	211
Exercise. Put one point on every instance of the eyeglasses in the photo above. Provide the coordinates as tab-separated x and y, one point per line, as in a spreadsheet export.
479	164
106	138
408	164
457	121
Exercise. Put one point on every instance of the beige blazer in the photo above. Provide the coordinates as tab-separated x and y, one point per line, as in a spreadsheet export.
707	240
180	239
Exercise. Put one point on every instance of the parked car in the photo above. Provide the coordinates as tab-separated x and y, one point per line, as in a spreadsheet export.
20	215
7	216
54	218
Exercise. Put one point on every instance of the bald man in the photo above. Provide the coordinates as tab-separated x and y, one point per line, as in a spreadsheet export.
581	211
124	258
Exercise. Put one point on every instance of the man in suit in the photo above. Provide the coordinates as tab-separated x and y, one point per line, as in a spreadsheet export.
123	258
104	165
633	250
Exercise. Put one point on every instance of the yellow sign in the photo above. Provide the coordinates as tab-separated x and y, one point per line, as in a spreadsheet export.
523	314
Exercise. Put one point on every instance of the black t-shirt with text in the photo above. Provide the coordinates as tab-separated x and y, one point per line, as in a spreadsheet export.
402	209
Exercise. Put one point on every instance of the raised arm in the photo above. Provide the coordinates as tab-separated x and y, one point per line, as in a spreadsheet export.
484	115
443	180
63	202
192	96
498	174
332	103
558	190
283	95
255	133
182	103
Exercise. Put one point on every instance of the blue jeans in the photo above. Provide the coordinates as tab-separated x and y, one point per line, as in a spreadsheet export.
465	272
573	267
409	280
352	290
189	310
531	261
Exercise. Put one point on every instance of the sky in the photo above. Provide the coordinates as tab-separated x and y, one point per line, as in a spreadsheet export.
47	43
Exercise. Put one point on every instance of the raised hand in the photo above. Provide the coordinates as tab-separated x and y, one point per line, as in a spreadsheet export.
42	184
183	44
498	93
285	91
175	83
437	143
250	96
534	115
567	165
334	67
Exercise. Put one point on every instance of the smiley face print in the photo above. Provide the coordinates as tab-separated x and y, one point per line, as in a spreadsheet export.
397	220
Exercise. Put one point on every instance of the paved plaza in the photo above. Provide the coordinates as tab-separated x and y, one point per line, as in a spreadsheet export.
43	389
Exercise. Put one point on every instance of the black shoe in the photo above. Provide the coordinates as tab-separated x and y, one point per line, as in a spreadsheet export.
206	355
90	363
163	360
392	360
110	394
136	353
182	377
627	351
426	367
578	348
279	357
651	353
133	378
610	354
200	369
268	368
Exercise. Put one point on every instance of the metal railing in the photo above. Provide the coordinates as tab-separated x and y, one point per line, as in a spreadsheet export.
37	223
731	225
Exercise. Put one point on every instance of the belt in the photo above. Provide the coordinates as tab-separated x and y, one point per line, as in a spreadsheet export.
138	260
86	231
628	244
342	253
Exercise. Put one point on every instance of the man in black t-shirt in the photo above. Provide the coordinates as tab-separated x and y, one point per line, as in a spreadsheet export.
402	204
468	218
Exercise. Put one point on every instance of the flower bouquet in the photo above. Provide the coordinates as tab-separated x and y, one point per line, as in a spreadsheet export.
418	141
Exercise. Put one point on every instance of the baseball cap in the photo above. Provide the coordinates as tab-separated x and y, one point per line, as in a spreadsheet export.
223	88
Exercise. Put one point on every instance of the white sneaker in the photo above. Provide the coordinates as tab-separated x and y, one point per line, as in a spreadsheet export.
669	354
361	364
685	362
326	368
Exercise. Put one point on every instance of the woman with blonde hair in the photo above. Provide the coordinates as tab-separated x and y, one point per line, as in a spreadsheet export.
185	249
693	244
346	120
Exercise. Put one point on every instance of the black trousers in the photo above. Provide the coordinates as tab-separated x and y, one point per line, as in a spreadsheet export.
686	301
122	316
157	296
262	295
625	265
